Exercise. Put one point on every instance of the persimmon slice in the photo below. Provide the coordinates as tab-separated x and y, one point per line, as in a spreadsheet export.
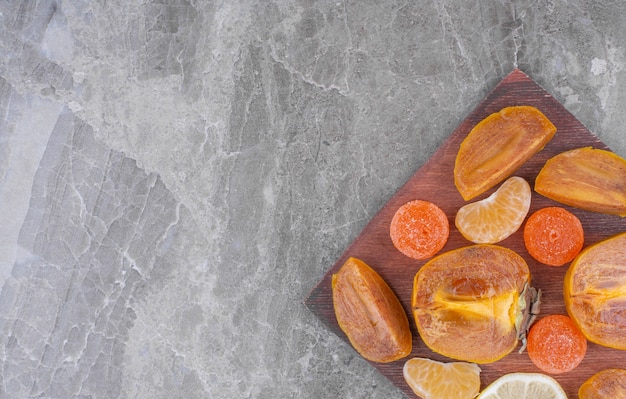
595	292
369	313
419	229
606	384
469	296
497	146
553	236
555	344
586	178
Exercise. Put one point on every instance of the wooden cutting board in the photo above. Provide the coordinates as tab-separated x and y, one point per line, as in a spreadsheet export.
434	182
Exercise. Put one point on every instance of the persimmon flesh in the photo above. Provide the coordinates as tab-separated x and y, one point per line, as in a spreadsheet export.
469	296
587	178
497	146
369	313
595	292
606	384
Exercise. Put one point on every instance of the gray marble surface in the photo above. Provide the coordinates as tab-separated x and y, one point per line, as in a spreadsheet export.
176	176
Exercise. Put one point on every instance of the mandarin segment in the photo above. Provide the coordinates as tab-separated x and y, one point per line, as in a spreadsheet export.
496	217
369	313
585	178
430	379
595	292
467	295
497	146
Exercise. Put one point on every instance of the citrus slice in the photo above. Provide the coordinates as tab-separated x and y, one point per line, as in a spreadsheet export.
524	386
430	379
496	217
607	384
497	146
595	292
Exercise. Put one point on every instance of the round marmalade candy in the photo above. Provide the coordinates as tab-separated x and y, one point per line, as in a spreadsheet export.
555	344
553	236
419	229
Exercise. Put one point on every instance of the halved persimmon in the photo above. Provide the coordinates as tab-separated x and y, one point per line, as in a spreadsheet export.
595	292
467	297
497	146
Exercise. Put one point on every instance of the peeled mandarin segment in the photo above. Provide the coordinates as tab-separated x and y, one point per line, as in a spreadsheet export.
497	146
496	217
369	313
607	384
430	379
553	236
468	295
585	178
555	345
419	229
595	292
523	386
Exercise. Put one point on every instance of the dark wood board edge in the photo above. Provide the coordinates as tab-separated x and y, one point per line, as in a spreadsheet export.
515	89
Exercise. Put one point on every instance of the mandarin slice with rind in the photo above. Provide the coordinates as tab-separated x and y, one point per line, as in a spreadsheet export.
497	146
595	292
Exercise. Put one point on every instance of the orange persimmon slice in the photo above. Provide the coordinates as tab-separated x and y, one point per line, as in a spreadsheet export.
370	313
556	345
419	229
497	146
606	384
553	236
594	289
587	178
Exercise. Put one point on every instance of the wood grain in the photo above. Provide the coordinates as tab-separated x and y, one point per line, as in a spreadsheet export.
434	182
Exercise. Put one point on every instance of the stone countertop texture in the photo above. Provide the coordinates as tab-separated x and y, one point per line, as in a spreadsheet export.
176	176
